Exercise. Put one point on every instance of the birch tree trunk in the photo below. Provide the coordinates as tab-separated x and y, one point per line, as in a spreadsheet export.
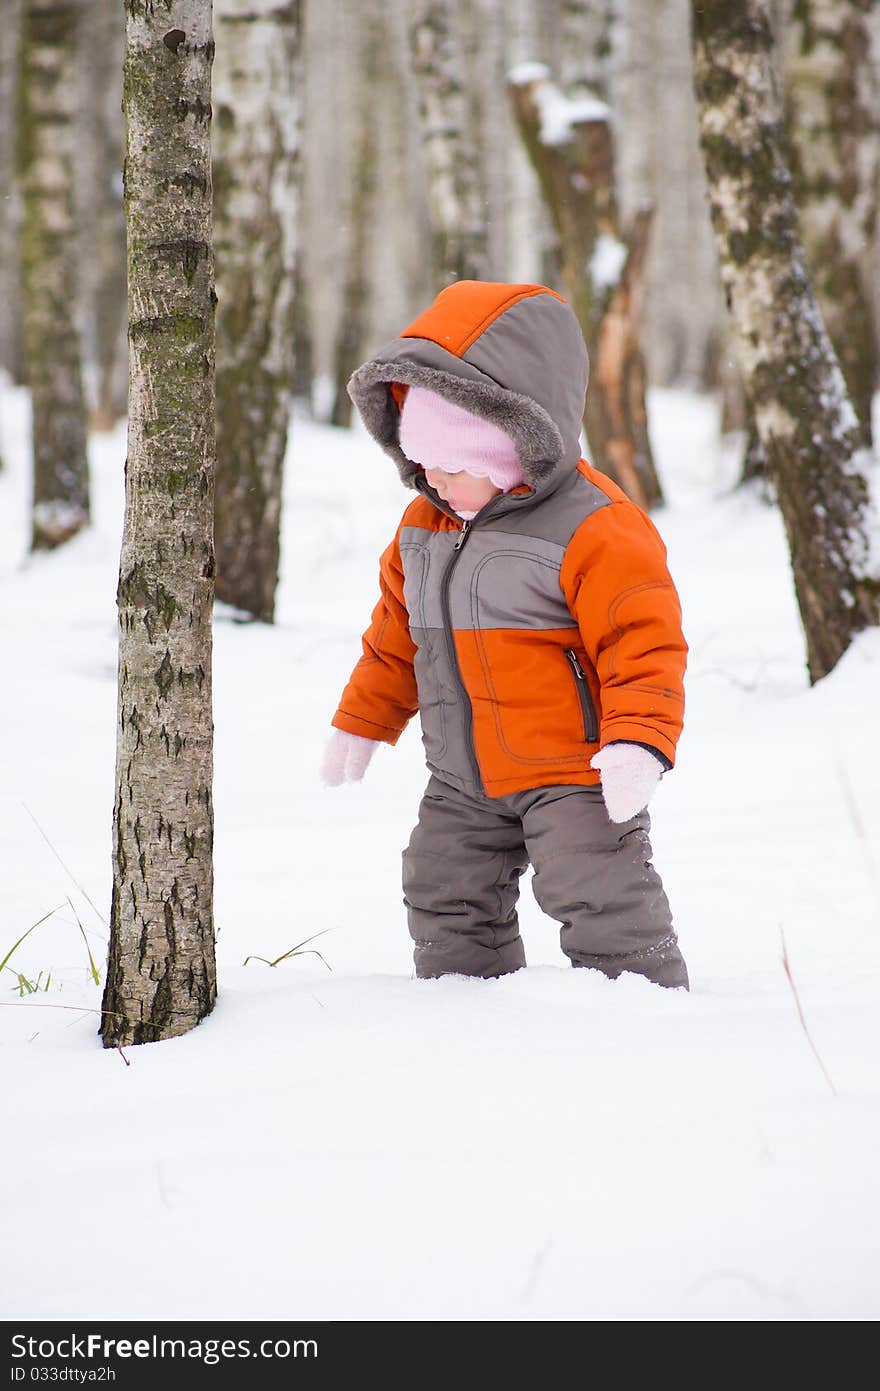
481	26
111	338
11	345
257	90
161	978
833	126
571	149
754	464
99	212
459	238
404	216
529	228
9	42
353	322
808	428
47	136
586	47
658	163
303	357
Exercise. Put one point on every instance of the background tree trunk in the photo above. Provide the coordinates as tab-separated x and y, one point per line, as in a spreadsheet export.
658	164
571	149
303	355
483	27
586	48
832	72
257	96
161	978
352	327
807	425
47	142
109	335
455	184
11	336
528	224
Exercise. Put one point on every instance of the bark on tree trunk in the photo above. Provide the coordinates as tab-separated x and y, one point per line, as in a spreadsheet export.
482	28
833	127
570	146
529	228
616	411
11	338
658	164
352	326
111	339
586	46
161	978
257	90
303	353
805	420
458	216
47	135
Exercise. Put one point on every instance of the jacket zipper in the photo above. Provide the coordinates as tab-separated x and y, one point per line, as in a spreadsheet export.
453	655
591	724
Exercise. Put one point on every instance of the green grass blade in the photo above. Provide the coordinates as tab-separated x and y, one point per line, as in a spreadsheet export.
98	913
17	944
95	976
293	951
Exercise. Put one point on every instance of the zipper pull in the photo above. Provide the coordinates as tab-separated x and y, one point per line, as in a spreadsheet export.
463	537
575	665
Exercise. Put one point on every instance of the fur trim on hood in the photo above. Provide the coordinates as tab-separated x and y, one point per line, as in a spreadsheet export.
513	354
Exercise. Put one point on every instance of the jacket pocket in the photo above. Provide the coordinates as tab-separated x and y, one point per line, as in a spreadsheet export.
588	709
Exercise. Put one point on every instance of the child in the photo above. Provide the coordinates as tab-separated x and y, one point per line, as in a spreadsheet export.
527	613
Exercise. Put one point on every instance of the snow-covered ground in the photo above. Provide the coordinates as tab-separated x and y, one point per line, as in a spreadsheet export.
341	1141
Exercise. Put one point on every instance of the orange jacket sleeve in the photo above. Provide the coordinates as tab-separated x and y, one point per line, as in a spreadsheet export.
618	588
380	698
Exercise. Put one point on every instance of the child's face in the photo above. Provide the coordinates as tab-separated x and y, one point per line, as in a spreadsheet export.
464	492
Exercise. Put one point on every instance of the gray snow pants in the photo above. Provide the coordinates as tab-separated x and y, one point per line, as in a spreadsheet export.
461	874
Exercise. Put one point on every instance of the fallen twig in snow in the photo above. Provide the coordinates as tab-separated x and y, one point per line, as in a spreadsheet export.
787	966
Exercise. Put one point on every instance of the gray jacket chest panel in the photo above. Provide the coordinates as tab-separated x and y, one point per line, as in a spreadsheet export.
558	516
500	579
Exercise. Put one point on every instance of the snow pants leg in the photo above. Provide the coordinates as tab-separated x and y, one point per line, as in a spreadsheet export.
461	875
595	877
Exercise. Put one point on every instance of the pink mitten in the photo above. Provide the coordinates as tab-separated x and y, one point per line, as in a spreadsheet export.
346	757
629	778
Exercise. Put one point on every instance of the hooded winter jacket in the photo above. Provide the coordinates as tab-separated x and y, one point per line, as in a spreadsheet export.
549	625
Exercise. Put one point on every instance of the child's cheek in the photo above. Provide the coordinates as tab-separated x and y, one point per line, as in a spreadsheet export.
476	491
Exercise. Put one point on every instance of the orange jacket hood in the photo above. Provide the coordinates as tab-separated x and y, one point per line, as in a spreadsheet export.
513	354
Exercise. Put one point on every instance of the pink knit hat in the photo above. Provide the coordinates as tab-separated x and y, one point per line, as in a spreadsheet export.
437	434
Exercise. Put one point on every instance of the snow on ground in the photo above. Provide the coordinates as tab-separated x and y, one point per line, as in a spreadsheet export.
341	1141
